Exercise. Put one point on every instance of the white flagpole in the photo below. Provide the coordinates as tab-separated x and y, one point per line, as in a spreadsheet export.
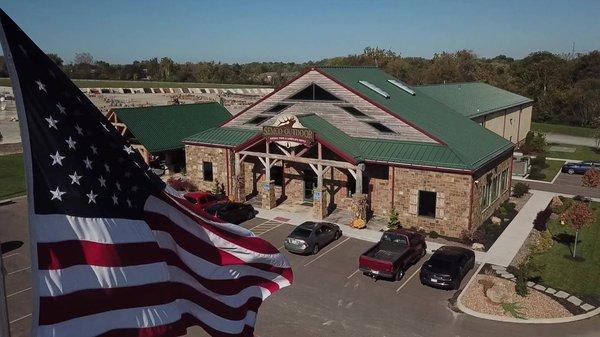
4	328
12	73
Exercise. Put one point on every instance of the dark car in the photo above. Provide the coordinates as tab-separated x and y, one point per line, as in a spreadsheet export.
581	167
233	212
396	251
447	267
311	236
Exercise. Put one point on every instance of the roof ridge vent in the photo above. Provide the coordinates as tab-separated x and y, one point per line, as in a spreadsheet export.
402	86
375	88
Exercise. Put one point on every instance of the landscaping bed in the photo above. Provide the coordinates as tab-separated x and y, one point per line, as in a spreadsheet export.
506	302
556	268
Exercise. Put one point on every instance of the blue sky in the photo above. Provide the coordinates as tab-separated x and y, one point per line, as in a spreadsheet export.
245	31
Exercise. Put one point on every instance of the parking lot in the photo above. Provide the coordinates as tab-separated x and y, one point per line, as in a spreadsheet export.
329	297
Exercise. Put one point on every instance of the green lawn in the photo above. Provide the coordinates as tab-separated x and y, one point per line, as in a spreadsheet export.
581	153
12	176
560	272
147	84
553	167
563	129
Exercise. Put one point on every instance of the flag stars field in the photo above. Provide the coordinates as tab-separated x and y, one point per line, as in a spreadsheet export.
81	225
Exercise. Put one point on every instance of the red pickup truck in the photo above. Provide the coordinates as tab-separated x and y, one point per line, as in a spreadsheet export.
393	254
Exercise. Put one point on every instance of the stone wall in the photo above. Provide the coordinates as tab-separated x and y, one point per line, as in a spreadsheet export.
479	215
452	191
195	155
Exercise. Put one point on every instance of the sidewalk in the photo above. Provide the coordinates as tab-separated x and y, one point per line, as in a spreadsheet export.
508	244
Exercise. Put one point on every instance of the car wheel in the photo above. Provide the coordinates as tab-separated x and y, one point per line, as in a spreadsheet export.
338	234
315	249
399	274
456	284
571	171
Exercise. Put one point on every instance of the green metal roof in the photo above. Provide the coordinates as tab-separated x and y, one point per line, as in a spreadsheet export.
331	134
473	99
222	136
472	144
161	128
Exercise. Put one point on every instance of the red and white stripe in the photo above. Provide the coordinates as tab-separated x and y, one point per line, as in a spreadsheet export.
119	277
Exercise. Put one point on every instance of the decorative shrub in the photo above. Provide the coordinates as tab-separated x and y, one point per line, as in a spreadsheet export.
218	188
521	284
539	161
591	177
182	184
433	234
478	236
393	220
535	173
544	243
520	189
541	220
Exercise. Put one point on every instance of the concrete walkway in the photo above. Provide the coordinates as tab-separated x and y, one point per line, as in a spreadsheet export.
508	244
572	140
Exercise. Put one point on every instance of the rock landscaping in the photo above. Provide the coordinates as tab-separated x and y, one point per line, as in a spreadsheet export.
494	295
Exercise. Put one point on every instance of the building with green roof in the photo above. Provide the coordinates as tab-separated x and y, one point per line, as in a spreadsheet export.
157	131
357	139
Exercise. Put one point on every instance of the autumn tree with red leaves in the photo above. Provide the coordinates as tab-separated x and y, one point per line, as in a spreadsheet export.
591	178
579	216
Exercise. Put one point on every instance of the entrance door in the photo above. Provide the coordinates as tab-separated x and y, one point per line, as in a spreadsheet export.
310	182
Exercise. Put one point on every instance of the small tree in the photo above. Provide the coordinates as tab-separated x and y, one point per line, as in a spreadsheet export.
591	177
520	189
393	220
579	216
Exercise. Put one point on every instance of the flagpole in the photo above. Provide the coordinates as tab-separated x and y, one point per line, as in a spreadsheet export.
4	328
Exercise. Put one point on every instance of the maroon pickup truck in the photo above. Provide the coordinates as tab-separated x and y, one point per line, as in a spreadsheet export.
393	254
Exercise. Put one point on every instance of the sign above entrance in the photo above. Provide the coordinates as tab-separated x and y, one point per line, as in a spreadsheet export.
287	131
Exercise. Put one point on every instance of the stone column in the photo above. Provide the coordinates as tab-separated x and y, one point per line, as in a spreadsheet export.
267	195
239	188
359	206
319	203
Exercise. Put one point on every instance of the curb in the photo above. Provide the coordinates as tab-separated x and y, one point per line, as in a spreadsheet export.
477	314
8	201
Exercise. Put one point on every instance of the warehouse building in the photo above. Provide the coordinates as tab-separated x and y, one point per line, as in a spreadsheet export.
356	138
157	131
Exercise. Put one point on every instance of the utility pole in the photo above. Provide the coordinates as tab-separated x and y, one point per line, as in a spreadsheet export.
4	328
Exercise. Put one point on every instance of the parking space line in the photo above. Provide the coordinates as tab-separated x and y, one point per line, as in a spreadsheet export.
9	255
18	319
408	280
354	273
270	229
280	248
260	224
320	256
18	270
18	292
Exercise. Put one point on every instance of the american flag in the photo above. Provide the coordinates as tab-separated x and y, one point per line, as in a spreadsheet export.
113	254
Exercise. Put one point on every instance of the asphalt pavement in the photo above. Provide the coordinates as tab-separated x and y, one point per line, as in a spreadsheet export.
329	296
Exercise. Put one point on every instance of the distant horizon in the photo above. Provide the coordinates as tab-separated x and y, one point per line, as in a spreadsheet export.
120	32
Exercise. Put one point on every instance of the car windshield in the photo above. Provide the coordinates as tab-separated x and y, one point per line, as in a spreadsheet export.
302	232
394	238
210	198
439	260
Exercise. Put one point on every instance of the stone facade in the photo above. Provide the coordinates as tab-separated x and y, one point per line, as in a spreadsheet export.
458	208
222	164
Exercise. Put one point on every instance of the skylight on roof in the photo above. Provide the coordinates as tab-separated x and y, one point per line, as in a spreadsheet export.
375	88
402	86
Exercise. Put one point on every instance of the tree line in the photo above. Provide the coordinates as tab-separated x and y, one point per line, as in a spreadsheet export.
566	88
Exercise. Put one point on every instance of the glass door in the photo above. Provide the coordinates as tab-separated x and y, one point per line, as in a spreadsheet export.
310	182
